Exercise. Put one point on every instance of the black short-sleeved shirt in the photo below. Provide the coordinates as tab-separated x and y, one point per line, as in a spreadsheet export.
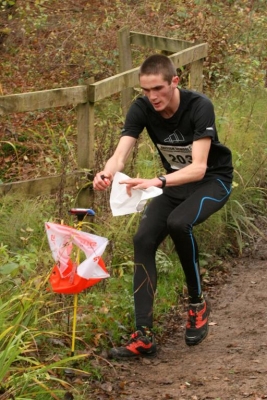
173	137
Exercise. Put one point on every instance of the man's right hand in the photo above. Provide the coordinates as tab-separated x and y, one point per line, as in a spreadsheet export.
102	180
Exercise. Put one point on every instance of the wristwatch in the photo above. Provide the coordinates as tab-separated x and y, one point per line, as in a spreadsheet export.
163	180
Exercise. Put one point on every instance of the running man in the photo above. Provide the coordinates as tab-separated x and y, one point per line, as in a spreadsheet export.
196	183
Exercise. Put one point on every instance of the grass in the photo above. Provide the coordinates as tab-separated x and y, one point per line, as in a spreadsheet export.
24	339
243	128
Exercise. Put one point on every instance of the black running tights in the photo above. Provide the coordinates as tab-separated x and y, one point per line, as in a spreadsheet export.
173	213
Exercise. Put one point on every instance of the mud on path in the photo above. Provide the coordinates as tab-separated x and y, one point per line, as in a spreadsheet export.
230	364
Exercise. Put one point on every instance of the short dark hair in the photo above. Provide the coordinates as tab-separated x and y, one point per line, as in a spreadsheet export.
158	64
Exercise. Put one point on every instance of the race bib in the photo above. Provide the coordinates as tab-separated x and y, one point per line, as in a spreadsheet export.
177	156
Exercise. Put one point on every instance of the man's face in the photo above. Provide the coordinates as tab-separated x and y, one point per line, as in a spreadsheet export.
158	91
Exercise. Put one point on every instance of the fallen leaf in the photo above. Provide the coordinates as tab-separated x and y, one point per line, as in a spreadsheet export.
107	387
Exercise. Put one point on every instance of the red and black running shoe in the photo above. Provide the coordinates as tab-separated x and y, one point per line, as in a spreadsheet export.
197	325
138	345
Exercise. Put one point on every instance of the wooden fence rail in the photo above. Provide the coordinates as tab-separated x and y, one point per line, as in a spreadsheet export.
83	98
116	83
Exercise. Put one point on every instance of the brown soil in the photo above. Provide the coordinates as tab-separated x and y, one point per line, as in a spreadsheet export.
231	363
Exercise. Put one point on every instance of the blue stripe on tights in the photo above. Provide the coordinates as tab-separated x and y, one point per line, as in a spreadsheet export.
194	250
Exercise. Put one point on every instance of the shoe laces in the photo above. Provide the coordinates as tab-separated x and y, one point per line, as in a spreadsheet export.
135	336
195	314
138	335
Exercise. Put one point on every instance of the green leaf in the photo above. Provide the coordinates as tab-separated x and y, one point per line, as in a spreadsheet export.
8	268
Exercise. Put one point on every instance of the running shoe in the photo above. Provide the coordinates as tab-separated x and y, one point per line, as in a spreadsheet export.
197	324
138	345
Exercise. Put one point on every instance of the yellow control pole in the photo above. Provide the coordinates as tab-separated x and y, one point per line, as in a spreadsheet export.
75	305
75	302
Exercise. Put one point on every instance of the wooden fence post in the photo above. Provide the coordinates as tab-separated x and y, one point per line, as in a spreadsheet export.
82	135
196	76
85	133
125	58
196	73
85	147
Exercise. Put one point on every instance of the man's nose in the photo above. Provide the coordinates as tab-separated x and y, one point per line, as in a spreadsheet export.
152	94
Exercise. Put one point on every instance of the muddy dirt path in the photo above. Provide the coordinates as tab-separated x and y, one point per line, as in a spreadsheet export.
230	364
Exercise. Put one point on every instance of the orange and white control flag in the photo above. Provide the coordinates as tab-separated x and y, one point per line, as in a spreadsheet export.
62	240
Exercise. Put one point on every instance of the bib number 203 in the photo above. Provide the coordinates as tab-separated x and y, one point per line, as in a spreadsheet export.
180	159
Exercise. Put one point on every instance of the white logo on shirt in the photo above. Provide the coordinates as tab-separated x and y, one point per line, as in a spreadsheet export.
175	137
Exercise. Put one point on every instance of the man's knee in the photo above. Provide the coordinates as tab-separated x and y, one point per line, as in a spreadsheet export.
178	226
143	240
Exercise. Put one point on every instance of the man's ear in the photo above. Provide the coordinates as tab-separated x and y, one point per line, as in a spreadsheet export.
175	80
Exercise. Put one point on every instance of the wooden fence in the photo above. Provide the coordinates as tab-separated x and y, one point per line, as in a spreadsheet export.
83	98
